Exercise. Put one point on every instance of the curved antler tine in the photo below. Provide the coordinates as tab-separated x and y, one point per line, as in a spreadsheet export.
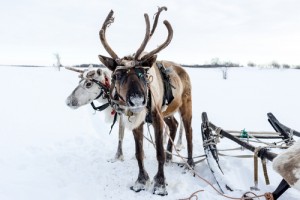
160	9
109	19
74	69
146	39
164	45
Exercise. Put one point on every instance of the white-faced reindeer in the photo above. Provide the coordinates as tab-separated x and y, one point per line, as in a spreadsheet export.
95	84
137	90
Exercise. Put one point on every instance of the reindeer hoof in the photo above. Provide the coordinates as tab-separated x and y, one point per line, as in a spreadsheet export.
168	157
117	158
191	162
160	190
159	186
140	186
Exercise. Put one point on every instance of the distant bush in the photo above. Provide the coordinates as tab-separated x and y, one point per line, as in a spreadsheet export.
275	65
251	64
286	66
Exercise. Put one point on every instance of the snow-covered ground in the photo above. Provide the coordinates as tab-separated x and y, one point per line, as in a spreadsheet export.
50	152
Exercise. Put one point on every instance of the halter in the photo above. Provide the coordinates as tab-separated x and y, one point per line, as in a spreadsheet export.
117	100
104	92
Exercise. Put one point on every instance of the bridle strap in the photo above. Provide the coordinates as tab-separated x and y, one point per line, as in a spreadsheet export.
99	95
100	108
104	90
115	119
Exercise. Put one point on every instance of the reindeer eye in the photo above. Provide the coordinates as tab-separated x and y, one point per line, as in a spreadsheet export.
118	75
88	84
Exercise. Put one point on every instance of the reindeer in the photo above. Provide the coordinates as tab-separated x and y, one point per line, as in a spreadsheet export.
92	86
137	91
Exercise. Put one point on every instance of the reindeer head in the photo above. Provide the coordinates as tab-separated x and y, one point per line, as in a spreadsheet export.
89	87
129	74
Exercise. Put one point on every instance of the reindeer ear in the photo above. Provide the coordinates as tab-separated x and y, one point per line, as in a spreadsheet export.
150	61
110	63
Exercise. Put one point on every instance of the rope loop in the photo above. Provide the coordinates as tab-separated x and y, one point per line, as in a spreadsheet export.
218	132
269	196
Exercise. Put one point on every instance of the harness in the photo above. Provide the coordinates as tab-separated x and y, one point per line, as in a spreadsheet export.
168	95
105	93
117	99
104	87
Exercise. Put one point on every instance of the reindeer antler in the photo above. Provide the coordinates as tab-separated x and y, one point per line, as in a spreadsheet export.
74	69
109	19
146	39
164	45
160	9
149	34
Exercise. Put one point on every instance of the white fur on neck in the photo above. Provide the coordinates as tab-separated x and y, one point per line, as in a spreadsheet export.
135	120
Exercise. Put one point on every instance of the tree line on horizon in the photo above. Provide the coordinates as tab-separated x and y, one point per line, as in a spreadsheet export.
215	63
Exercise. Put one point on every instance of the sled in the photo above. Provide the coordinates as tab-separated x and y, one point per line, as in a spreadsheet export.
211	135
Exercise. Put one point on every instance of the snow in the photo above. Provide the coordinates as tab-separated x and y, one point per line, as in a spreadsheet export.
49	151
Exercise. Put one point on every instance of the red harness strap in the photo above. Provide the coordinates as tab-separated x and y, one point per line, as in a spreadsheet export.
107	84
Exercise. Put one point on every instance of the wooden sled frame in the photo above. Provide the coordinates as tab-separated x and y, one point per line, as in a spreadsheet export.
211	151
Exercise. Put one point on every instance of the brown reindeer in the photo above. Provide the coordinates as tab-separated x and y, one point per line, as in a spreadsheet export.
137	91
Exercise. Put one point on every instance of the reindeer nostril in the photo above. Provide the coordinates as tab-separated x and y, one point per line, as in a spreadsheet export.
130	102
72	101
136	100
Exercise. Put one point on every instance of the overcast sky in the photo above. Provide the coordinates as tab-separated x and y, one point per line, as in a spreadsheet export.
240	31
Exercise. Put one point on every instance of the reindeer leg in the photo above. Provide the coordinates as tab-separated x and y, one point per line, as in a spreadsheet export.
166	133
119	154
186	116
159	178
172	124
179	145
143	180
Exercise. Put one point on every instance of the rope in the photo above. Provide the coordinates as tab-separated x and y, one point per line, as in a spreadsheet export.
264	166
193	195
195	162
236	156
269	196
218	132
255	157
151	139
233	149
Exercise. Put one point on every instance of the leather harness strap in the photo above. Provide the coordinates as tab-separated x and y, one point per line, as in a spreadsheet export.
168	95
